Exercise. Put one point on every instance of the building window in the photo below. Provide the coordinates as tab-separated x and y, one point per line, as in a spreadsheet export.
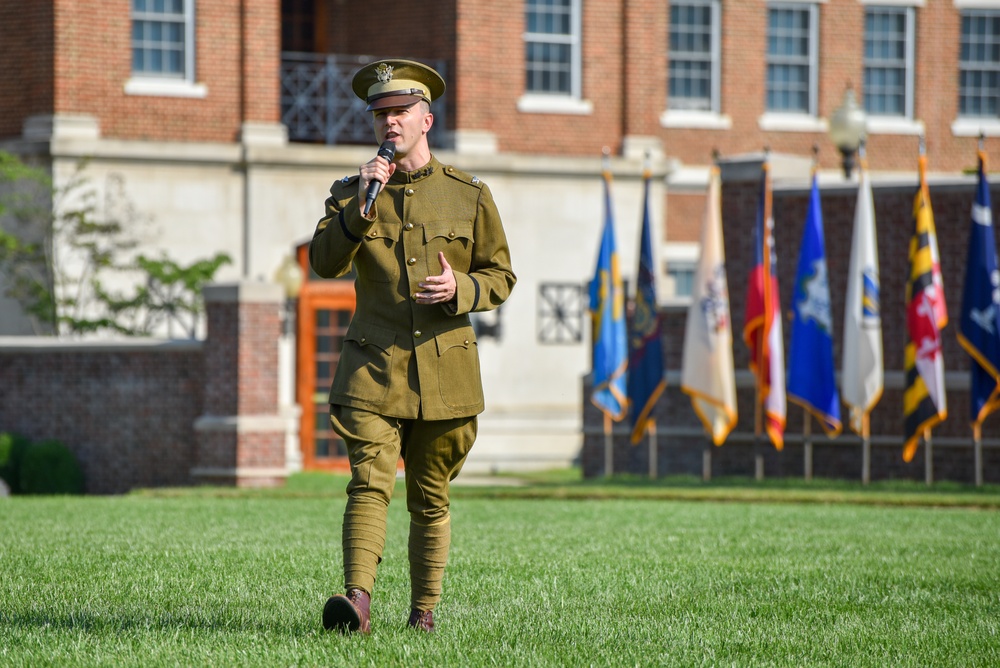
680	280
552	47
694	56
979	64
792	57
889	45
560	313
163	39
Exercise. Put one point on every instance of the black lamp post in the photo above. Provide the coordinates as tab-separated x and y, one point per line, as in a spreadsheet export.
847	129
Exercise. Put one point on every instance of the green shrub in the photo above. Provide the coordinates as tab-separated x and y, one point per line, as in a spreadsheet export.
12	449
48	467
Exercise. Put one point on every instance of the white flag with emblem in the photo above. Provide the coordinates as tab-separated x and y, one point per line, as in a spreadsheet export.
862	377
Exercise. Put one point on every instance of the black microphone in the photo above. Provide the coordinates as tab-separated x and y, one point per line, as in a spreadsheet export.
388	151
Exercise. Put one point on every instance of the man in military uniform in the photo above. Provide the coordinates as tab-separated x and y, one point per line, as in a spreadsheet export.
430	250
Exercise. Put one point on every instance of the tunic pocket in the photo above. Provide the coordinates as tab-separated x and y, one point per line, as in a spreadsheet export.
365	360
459	377
453	238
377	261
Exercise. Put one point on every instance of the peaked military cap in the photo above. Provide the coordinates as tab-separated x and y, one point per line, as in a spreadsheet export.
396	83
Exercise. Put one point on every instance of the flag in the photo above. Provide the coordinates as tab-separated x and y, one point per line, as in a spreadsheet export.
979	330
861	379
646	380
811	378
707	374
607	306
762	323
924	403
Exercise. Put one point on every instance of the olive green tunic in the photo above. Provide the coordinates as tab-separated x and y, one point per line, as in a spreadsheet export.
400	358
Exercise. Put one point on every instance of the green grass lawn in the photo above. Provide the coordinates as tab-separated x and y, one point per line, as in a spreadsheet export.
557	572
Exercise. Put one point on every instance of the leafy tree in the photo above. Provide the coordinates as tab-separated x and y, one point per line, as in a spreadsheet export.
61	254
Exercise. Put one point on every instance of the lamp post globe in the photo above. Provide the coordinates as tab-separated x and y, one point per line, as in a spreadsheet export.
847	129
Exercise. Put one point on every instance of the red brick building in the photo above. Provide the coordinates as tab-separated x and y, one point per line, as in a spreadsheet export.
228	119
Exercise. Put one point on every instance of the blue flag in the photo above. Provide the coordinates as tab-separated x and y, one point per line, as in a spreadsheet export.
607	306
811	382
646	381
979	330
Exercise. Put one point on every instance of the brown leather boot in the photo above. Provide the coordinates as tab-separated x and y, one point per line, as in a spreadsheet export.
348	613
422	619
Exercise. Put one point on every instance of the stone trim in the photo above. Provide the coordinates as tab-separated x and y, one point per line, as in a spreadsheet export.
244	292
241	424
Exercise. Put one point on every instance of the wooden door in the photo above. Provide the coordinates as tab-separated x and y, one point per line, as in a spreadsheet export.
324	312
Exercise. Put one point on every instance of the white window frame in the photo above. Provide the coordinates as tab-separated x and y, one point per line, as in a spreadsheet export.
557	102
806	121
166	84
994	12
715	55
909	58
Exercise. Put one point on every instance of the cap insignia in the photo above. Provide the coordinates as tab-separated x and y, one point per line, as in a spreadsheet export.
383	72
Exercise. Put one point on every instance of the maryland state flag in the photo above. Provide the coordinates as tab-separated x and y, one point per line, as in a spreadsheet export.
607	306
707	374
762	322
646	381
924	404
979	332
811	376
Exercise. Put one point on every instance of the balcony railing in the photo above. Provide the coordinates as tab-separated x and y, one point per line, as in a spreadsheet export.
319	106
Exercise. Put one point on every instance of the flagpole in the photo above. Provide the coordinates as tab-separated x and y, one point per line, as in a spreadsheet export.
758	456
653	468
758	417
977	443
928	458
706	462
609	444
807	446
866	449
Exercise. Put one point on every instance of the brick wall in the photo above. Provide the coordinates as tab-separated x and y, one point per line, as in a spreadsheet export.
127	414
81	49
840	458
148	414
744	76
73	57
26	85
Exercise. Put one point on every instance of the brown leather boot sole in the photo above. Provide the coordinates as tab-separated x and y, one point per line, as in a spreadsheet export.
341	614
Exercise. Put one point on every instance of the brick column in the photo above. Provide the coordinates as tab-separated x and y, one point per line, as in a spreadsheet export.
241	435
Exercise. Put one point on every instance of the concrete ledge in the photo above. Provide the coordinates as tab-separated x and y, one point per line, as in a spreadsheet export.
44	127
240	476
45	345
242	424
244	292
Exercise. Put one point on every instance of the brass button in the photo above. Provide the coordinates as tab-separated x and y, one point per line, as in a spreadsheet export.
417	334
373	234
363	339
408	227
466	342
451	235
411	261
409	192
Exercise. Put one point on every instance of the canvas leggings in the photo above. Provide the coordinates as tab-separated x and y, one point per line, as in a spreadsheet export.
433	453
